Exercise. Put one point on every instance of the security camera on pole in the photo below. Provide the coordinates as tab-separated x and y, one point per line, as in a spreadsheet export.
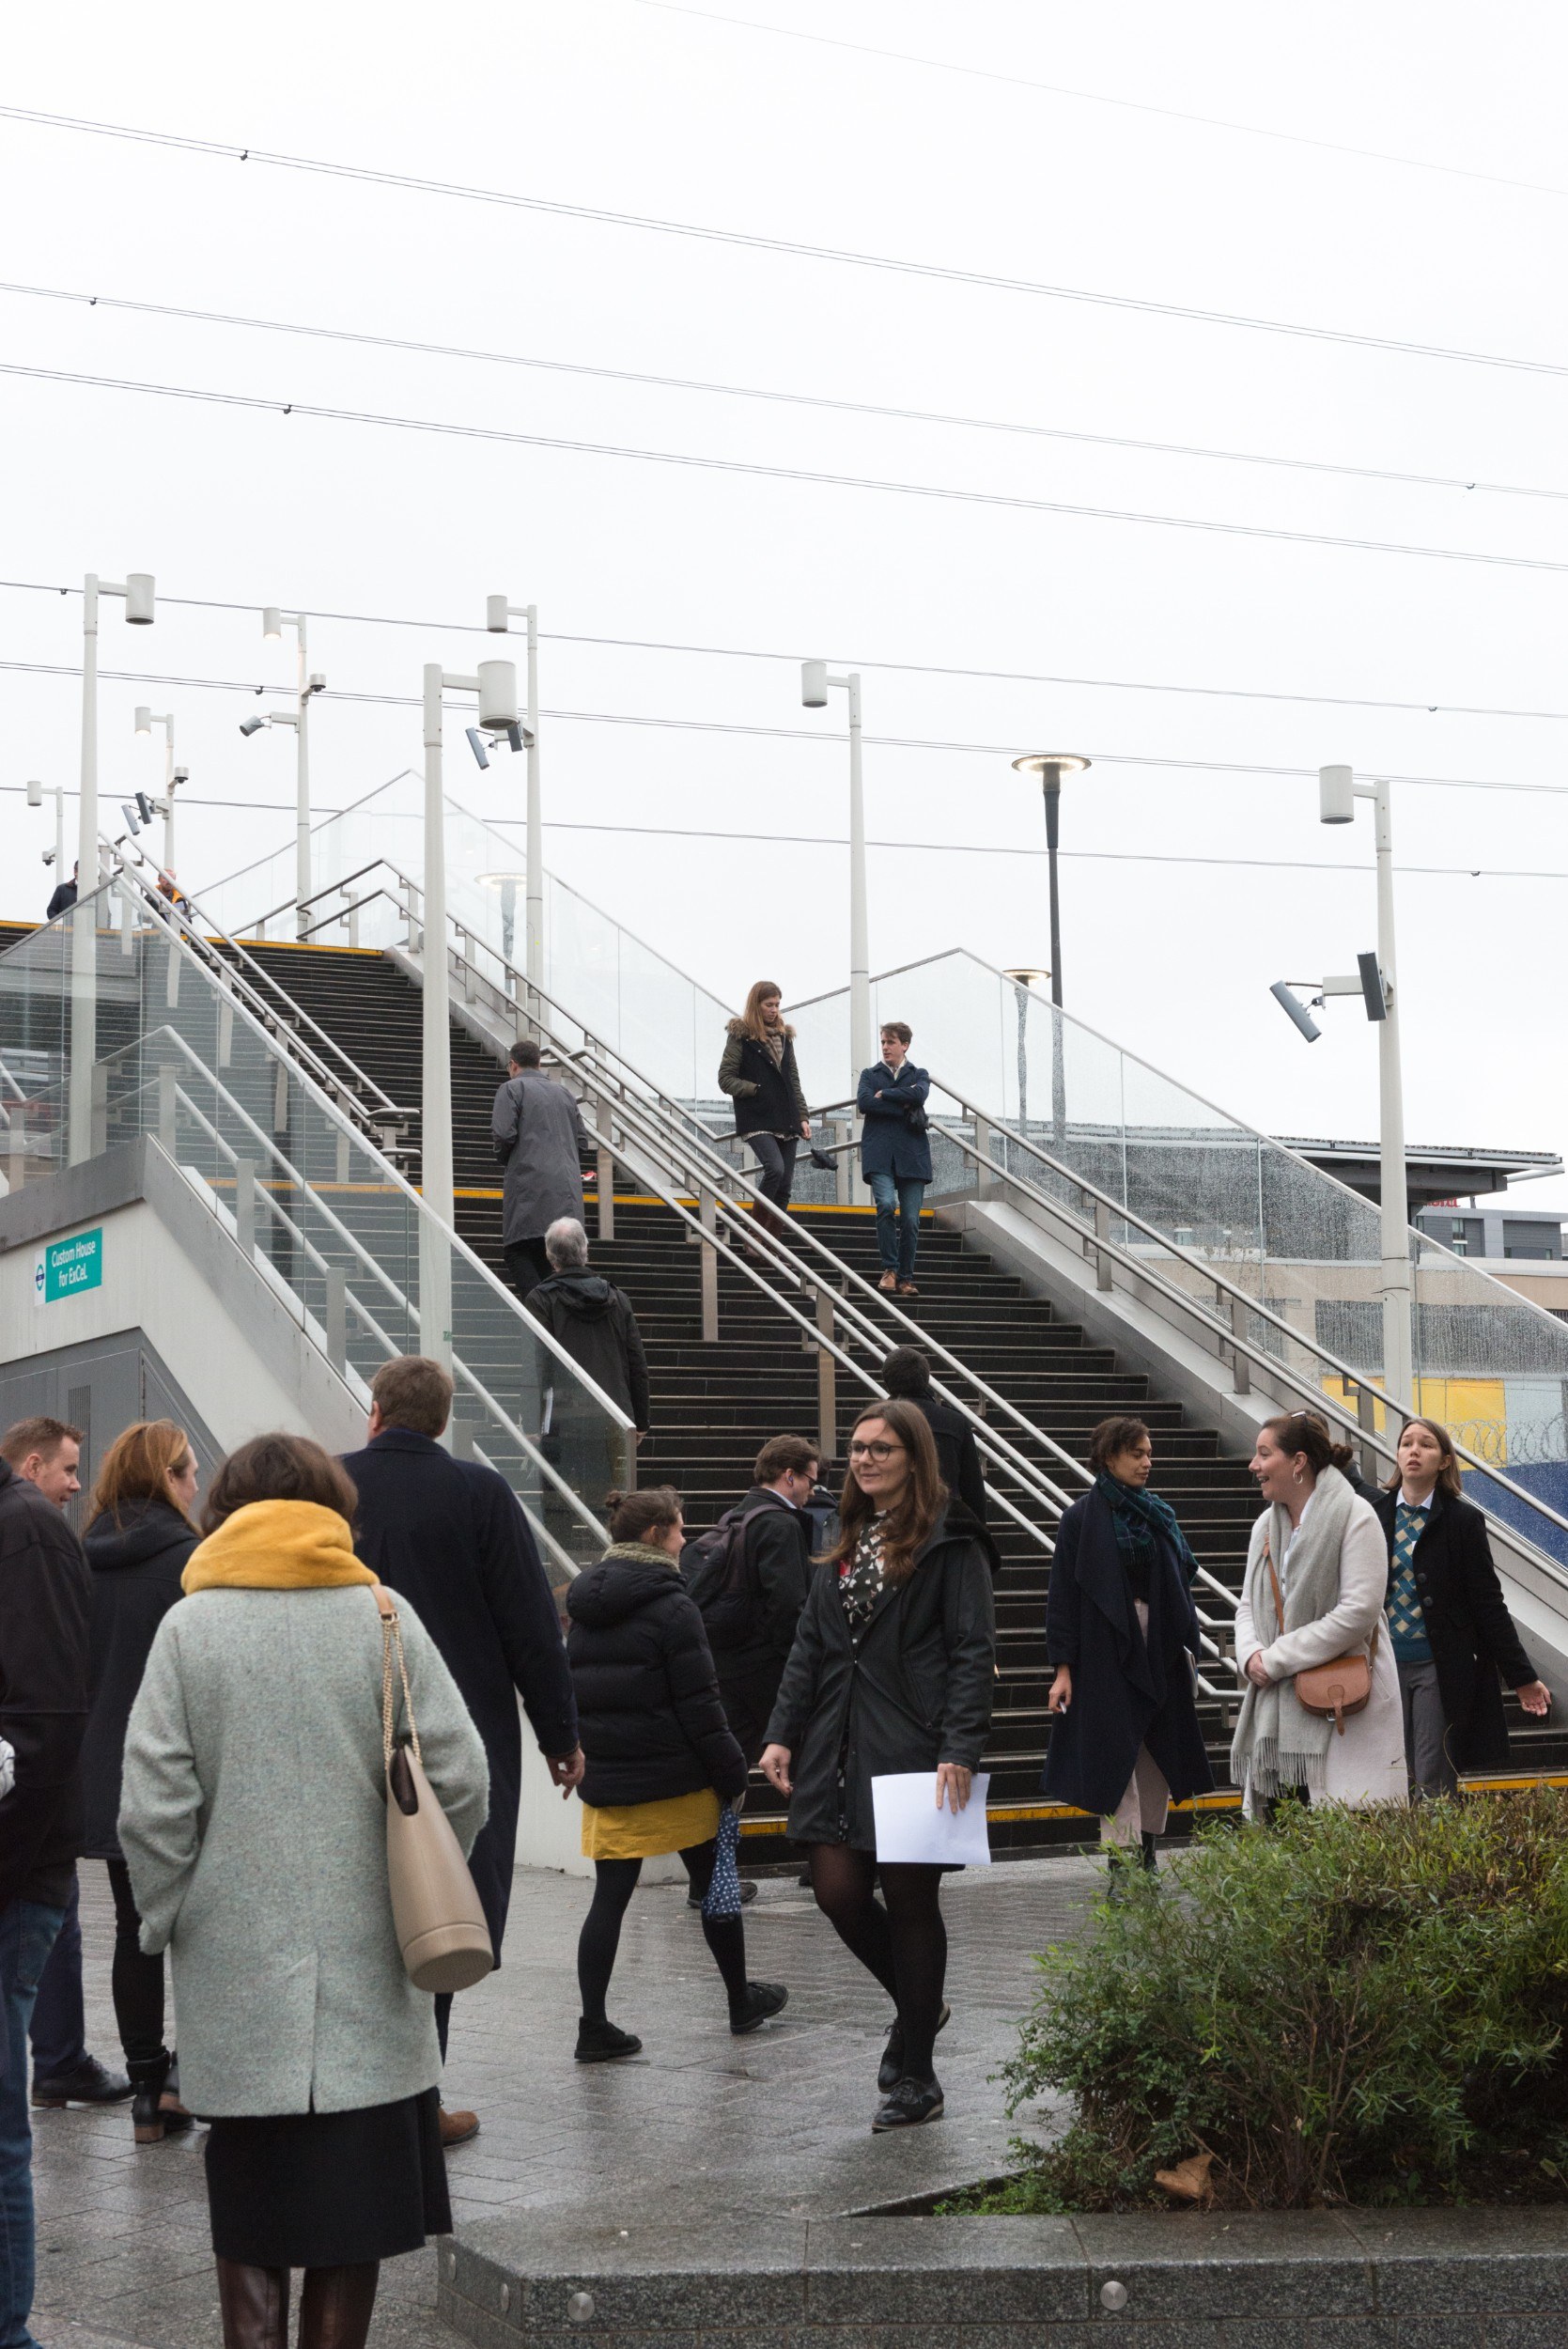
307	682
1338	792
499	615
173	776
814	682
36	793
138	591
496	686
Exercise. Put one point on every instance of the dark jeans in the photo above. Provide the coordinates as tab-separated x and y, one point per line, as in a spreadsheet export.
775	1172
28	1934
135	1979
59	2026
898	1205
527	1264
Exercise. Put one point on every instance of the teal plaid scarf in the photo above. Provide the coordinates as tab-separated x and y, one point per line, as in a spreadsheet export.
1140	1516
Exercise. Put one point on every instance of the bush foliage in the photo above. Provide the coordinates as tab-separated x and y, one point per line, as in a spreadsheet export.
1352	2006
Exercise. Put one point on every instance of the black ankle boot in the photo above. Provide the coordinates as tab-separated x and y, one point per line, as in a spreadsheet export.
157	2112
1150	1851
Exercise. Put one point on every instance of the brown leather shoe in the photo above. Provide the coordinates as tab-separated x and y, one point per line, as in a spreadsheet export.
335	2305
254	2306
457	2128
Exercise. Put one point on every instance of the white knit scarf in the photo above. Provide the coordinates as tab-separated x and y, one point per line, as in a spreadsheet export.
1277	1740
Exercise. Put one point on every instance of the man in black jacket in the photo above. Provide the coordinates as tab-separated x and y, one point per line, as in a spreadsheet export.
777	1554
449	1536
594	1322
47	1453
45	1595
907	1374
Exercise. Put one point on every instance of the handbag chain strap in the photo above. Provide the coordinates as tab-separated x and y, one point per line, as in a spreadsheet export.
392	1634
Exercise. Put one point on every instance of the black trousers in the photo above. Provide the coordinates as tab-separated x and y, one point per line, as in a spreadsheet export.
527	1264
748	1700
775	1169
136	1980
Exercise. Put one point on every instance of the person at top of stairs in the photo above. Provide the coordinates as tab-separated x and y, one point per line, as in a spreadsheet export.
896	1153
758	1073
539	1140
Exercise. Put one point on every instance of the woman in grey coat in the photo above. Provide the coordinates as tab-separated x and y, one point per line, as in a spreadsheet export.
253	1819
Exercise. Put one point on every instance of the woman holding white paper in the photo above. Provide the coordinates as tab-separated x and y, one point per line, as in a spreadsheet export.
892	1671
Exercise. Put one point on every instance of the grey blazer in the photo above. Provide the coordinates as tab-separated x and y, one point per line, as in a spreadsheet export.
254	1824
538	1139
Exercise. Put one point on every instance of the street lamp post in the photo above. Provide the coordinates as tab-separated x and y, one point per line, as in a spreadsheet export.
273	622
1023	979
173	776
814	682
36	793
1337	791
1050	765
137	592
499	615
496	686
507	883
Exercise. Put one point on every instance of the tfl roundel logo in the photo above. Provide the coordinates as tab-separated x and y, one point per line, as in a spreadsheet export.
39	1275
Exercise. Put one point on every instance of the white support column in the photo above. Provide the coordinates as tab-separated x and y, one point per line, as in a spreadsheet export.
83	939
435	1256
534	909
860	1053
1398	1285
302	784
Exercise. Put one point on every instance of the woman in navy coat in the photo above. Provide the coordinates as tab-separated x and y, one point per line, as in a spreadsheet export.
895	1155
1122	1632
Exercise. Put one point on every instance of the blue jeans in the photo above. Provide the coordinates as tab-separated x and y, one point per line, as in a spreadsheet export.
898	1205
57	2030
27	1932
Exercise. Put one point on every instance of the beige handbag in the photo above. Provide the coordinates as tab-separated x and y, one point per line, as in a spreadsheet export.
1341	1687
435	1909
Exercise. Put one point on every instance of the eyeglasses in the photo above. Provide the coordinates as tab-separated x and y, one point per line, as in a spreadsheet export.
874	1450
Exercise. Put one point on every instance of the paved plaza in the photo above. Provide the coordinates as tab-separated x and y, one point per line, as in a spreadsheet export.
777	2124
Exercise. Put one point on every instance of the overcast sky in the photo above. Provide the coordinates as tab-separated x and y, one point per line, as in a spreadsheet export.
625	106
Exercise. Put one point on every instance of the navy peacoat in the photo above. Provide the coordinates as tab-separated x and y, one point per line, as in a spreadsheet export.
1127	1692
449	1537
911	1689
886	1146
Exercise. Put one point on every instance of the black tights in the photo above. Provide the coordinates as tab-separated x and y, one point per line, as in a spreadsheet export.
904	1945
615	1882
135	1980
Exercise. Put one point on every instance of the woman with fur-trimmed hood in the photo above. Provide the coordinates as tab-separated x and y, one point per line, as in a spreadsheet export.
758	1072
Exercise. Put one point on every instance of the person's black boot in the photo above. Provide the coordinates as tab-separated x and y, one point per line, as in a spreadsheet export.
890	2070
91	2083
601	2043
1151	1855
762	1998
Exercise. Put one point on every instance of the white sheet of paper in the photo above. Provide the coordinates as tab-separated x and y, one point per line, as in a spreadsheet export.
911	1828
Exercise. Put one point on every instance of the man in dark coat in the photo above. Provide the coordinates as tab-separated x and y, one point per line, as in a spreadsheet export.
776	1576
907	1373
896	1153
63	896
593	1320
539	1139
44	1599
450	1537
1471	1638
1128	1691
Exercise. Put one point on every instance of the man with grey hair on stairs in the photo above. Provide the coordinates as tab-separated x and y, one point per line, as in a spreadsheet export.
593	1320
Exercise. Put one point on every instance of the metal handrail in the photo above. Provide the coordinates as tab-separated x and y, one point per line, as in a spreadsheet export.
1232	1340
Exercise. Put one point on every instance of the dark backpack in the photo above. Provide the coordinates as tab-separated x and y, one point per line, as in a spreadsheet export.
719	1581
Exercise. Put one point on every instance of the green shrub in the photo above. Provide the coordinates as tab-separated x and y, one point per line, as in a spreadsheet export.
1362	2006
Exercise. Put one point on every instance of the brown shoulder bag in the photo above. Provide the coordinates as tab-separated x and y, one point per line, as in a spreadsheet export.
1341	1687
435	1909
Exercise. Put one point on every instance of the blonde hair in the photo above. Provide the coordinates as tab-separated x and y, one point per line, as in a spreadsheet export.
752	1019
137	1466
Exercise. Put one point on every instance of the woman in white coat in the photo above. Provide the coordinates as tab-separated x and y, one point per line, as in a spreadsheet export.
1331	1561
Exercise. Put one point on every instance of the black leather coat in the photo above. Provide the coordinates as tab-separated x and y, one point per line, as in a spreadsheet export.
1468	1627
910	1689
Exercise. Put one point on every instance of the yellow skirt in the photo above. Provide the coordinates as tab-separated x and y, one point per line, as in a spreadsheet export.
638	1830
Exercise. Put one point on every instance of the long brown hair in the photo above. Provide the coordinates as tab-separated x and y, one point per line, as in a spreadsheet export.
917	1509
752	1019
1305	1431
136	1467
1449	1478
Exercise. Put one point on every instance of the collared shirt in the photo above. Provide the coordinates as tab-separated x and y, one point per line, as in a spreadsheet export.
1407	1618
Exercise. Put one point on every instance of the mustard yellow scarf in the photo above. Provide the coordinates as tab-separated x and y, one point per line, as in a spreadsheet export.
276	1545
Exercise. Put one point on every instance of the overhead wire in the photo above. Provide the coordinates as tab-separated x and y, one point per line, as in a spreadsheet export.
809	734
755	392
891	668
1099	98
788	248
690	462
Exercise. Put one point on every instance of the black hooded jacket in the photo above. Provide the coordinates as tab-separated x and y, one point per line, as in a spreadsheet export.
594	1322
43	1693
136	1566
647	1698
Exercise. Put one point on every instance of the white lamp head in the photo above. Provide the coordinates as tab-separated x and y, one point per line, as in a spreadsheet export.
35	794
498	693
813	684
1042	762
271	625
139	599
1336	795
496	614
144	719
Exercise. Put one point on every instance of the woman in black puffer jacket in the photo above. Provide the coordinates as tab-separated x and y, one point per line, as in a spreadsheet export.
659	1750
139	1535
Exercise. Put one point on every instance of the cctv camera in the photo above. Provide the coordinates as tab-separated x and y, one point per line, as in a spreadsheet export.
252	725
1295	1011
49	856
317	682
476	744
131	816
144	807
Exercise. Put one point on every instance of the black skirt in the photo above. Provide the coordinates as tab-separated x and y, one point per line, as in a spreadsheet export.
327	2190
